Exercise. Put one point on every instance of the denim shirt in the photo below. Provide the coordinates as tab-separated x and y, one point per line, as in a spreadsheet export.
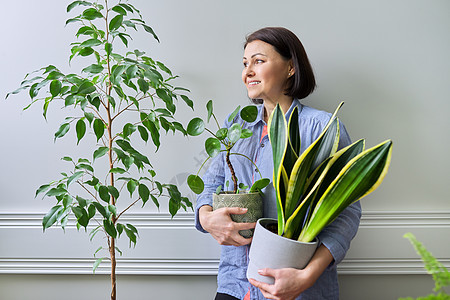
336	237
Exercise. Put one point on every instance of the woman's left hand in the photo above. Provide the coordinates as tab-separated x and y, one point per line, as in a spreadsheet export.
289	283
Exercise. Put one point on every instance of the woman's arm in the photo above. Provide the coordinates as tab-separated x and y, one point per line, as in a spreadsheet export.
289	282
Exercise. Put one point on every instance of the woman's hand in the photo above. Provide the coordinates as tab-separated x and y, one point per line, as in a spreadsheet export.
289	282
219	224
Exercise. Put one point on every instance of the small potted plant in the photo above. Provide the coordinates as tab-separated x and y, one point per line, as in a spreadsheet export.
312	188
223	140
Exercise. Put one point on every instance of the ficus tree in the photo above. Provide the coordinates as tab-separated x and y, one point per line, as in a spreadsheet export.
122	98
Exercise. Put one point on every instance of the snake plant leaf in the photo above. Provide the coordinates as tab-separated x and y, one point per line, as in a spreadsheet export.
293	148
295	221
342	157
361	176
304	165
317	184
278	136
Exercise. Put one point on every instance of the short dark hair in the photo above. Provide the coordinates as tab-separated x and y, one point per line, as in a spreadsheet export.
288	45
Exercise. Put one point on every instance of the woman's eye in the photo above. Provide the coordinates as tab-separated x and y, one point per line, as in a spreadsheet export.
258	61
245	64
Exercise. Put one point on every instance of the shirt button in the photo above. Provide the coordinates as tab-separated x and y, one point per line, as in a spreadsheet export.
262	145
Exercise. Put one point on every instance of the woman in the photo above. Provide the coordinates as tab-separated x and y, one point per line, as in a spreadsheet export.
276	70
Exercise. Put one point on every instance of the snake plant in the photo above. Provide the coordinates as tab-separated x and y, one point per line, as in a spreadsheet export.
314	187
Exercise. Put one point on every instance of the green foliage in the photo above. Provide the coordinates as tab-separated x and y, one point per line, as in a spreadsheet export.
314	187
113	88
223	141
441	275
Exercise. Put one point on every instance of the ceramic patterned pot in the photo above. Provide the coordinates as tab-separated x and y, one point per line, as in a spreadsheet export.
252	201
269	250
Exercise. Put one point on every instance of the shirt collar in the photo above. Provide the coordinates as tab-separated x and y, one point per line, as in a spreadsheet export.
260	117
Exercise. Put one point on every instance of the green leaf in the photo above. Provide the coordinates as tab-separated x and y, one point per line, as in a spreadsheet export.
108	48
150	30
93	69
143	85
91	14
164	68
234	133
246	133
259	185
209	109
91	43
104	193
55	87
113	191
76	3
117	171
164	96
118	9
116	22
128	129
249	113
277	130
52	216
81	215
57	191
143	133
212	146
99	128
96	264
110	228
131	186
195	183
188	101
81	130
144	192
132	71
154	132
86	87
234	114
100	152
86	51
63	129
74	177
42	189
195	127
222	133
361	176
101	209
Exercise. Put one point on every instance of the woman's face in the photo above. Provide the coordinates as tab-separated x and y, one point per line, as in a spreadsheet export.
265	72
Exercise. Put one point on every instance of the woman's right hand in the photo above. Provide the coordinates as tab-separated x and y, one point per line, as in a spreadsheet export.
224	230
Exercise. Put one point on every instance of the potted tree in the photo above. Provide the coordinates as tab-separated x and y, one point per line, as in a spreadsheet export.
223	140
117	95
312	188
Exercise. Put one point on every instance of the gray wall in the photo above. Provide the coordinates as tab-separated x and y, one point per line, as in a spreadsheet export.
388	60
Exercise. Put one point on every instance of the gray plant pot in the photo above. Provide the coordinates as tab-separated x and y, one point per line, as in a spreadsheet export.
269	250
252	201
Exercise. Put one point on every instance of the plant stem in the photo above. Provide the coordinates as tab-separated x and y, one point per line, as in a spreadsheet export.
233	175
112	244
